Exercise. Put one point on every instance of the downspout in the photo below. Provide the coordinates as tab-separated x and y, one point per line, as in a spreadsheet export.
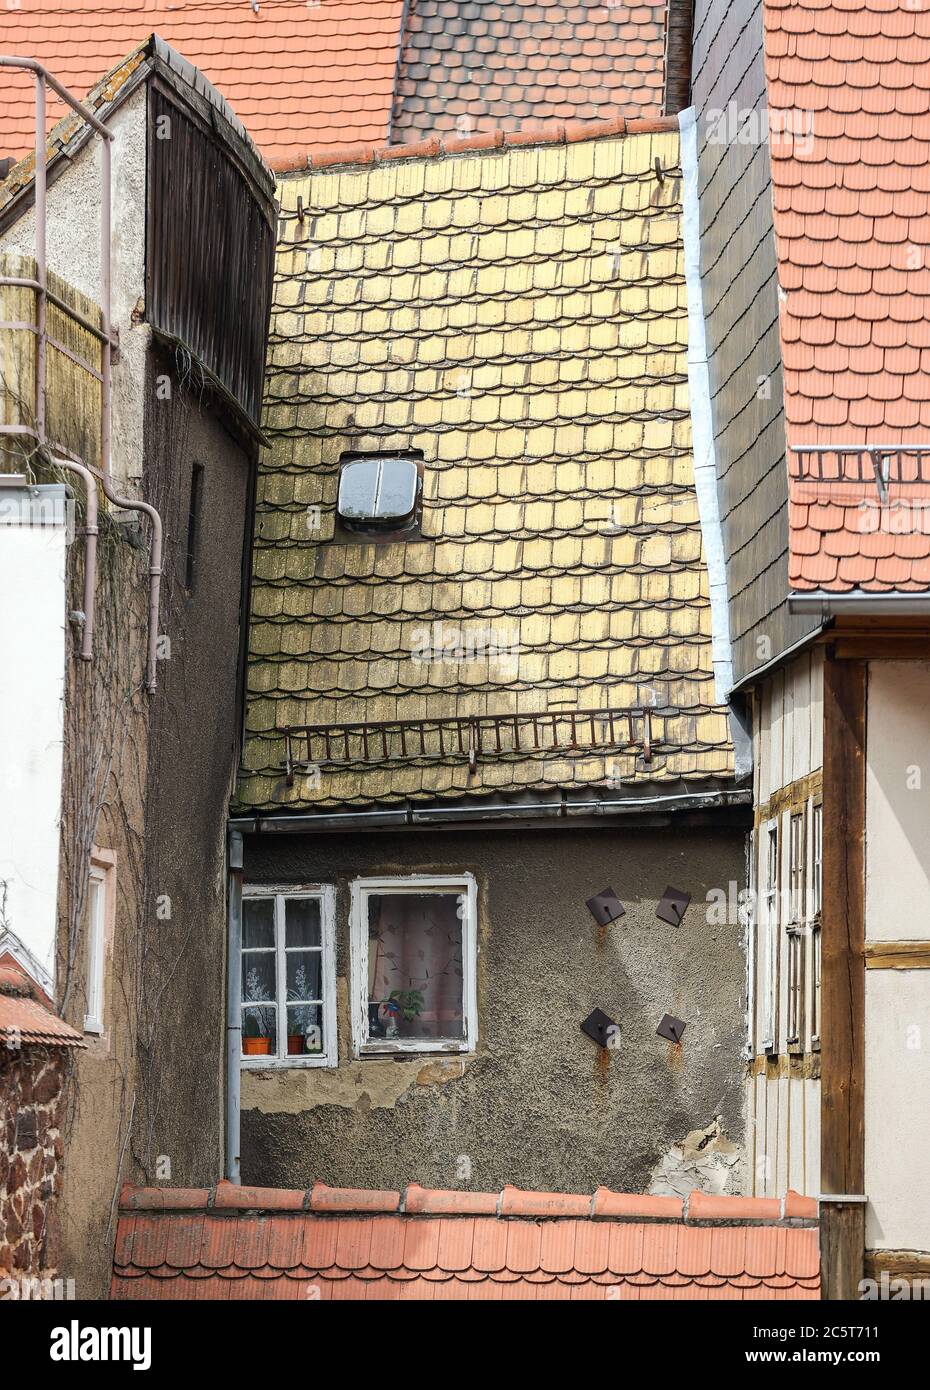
91	531
233	1011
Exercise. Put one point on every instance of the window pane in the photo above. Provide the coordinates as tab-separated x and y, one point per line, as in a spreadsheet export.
258	922
259	1031
94	932
258	975
302	922
304	971
304	1029
415	978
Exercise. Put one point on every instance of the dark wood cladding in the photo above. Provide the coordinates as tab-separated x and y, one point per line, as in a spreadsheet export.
209	250
740	284
679	17
842	1142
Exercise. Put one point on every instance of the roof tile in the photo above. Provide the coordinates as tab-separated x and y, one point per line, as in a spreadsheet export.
852	195
297	76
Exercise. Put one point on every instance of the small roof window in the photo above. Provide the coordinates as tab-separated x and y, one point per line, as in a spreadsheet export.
379	492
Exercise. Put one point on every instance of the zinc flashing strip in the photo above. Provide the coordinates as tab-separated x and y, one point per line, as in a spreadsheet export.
702	425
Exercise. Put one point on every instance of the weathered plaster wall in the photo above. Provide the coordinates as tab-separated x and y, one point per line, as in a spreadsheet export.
897	1002
195	742
73	250
539	1105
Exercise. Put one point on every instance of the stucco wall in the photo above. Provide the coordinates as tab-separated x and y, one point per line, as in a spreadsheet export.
73	250
195	741
539	1105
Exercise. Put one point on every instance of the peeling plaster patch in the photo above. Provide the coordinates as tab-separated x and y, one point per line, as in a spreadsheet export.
705	1159
445	1069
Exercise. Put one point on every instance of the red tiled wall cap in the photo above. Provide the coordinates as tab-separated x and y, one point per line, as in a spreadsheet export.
163	1198
704	1206
515	1202
636	1206
229	1196
798	1206
323	1198
428	1201
549	133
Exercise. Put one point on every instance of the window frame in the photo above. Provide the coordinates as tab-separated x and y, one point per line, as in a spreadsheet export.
796	929
768	923
325	893
403	885
815	901
99	874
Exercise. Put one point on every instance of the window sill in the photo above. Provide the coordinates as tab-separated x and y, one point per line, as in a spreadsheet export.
266	1063
421	1047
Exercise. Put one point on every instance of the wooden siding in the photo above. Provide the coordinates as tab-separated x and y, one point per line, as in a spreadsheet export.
739	275
211	289
783	1088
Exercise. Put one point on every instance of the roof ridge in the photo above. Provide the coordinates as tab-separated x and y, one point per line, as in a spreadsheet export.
414	1200
434	147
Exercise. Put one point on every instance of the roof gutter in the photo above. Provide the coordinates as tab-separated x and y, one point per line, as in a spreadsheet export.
304	823
856	602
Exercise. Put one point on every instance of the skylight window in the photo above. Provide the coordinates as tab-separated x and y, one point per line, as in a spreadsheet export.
379	492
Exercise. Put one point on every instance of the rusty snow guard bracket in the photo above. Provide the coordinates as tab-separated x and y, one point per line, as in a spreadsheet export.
471	736
862	463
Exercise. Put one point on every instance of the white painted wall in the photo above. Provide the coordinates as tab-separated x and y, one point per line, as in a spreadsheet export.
73	251
32	679
897	1109
897	1002
897	859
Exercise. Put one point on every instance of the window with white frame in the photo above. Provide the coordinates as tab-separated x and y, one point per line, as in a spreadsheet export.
413	951
96	934
288	978
816	899
796	926
768	948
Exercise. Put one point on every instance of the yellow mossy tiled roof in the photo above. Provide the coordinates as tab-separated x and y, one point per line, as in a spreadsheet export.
519	315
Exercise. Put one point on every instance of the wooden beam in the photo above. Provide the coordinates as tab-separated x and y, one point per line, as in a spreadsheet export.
897	955
842	1149
900	1264
900	647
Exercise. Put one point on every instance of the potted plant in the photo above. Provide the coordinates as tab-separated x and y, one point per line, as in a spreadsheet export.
256	1035
405	1004
255	1043
300	1033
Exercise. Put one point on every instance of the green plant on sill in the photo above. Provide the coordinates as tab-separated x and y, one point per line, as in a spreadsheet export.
410	1002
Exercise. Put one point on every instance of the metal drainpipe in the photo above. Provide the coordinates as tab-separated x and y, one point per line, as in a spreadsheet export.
43	76
233	1011
91	531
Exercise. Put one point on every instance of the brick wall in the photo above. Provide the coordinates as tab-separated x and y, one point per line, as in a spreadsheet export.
30	1156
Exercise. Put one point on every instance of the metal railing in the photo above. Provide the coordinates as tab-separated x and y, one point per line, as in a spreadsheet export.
108	341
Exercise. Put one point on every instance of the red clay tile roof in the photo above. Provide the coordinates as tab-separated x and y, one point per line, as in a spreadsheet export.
852	225
469	67
296	74
332	1243
545	133
23	1020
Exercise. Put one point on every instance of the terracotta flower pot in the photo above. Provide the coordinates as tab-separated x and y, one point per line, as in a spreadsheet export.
256	1047
295	1043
